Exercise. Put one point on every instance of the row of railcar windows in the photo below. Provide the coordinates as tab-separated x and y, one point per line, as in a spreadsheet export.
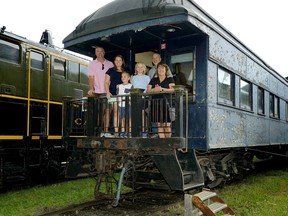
226	95
69	70
60	67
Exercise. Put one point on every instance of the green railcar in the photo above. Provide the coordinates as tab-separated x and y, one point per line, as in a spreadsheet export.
34	77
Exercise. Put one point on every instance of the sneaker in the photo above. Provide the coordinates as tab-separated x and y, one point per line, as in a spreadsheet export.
154	136
123	135
107	134
144	135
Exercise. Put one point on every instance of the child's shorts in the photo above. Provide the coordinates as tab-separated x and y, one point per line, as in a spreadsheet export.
122	111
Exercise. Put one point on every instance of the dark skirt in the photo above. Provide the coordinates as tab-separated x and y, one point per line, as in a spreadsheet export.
159	111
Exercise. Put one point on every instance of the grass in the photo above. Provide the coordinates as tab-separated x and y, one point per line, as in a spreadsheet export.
262	194
34	201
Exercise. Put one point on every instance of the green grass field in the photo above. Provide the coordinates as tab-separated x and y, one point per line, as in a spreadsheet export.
264	194
258	195
34	201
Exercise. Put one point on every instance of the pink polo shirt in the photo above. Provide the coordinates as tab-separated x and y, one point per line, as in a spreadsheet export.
98	70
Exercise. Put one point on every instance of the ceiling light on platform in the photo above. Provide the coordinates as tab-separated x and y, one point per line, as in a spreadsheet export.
105	38
171	30
138	30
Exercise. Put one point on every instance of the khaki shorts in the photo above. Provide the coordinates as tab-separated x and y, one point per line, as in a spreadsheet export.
107	105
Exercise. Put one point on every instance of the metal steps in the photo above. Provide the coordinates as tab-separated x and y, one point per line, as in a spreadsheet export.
192	185
205	203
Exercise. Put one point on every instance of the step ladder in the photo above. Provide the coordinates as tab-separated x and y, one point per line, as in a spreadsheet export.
205	203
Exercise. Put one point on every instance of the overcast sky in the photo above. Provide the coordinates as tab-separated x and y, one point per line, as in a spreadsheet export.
259	24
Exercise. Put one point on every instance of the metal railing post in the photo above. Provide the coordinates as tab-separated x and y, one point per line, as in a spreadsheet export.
179	111
136	112
93	116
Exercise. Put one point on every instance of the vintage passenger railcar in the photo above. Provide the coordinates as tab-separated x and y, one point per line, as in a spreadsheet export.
33	79
235	105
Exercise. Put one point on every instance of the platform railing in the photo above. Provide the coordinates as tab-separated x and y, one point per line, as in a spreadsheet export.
88	116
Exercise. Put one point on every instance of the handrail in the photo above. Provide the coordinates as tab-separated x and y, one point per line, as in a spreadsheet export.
86	116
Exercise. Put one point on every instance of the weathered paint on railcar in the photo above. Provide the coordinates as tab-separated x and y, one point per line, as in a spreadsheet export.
243	128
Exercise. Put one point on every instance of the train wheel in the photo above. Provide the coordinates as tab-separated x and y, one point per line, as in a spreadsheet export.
208	169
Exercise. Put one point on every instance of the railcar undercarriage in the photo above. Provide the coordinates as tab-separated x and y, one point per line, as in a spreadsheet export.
223	166
24	165
145	170
148	169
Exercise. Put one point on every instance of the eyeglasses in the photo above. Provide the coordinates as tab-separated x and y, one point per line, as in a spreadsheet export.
102	66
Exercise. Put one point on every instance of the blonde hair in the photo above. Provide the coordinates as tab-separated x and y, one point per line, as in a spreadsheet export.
126	72
144	68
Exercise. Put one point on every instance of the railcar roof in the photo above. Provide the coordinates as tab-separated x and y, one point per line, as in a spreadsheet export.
135	21
123	25
14	37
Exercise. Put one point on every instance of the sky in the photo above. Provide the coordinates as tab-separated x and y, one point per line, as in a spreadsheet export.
259	24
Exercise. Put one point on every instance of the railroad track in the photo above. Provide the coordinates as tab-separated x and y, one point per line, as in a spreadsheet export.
76	208
137	203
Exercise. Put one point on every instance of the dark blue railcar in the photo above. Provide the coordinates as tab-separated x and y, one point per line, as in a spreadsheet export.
234	106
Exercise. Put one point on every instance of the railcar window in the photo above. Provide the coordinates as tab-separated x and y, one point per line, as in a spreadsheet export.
9	51
286	111
274	106
83	74
59	66
225	87
37	60
182	69
73	71
245	95
271	105
260	104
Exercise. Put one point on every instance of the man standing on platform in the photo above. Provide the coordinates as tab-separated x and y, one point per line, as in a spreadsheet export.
97	71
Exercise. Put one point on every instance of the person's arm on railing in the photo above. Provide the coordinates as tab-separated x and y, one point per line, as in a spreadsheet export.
170	89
